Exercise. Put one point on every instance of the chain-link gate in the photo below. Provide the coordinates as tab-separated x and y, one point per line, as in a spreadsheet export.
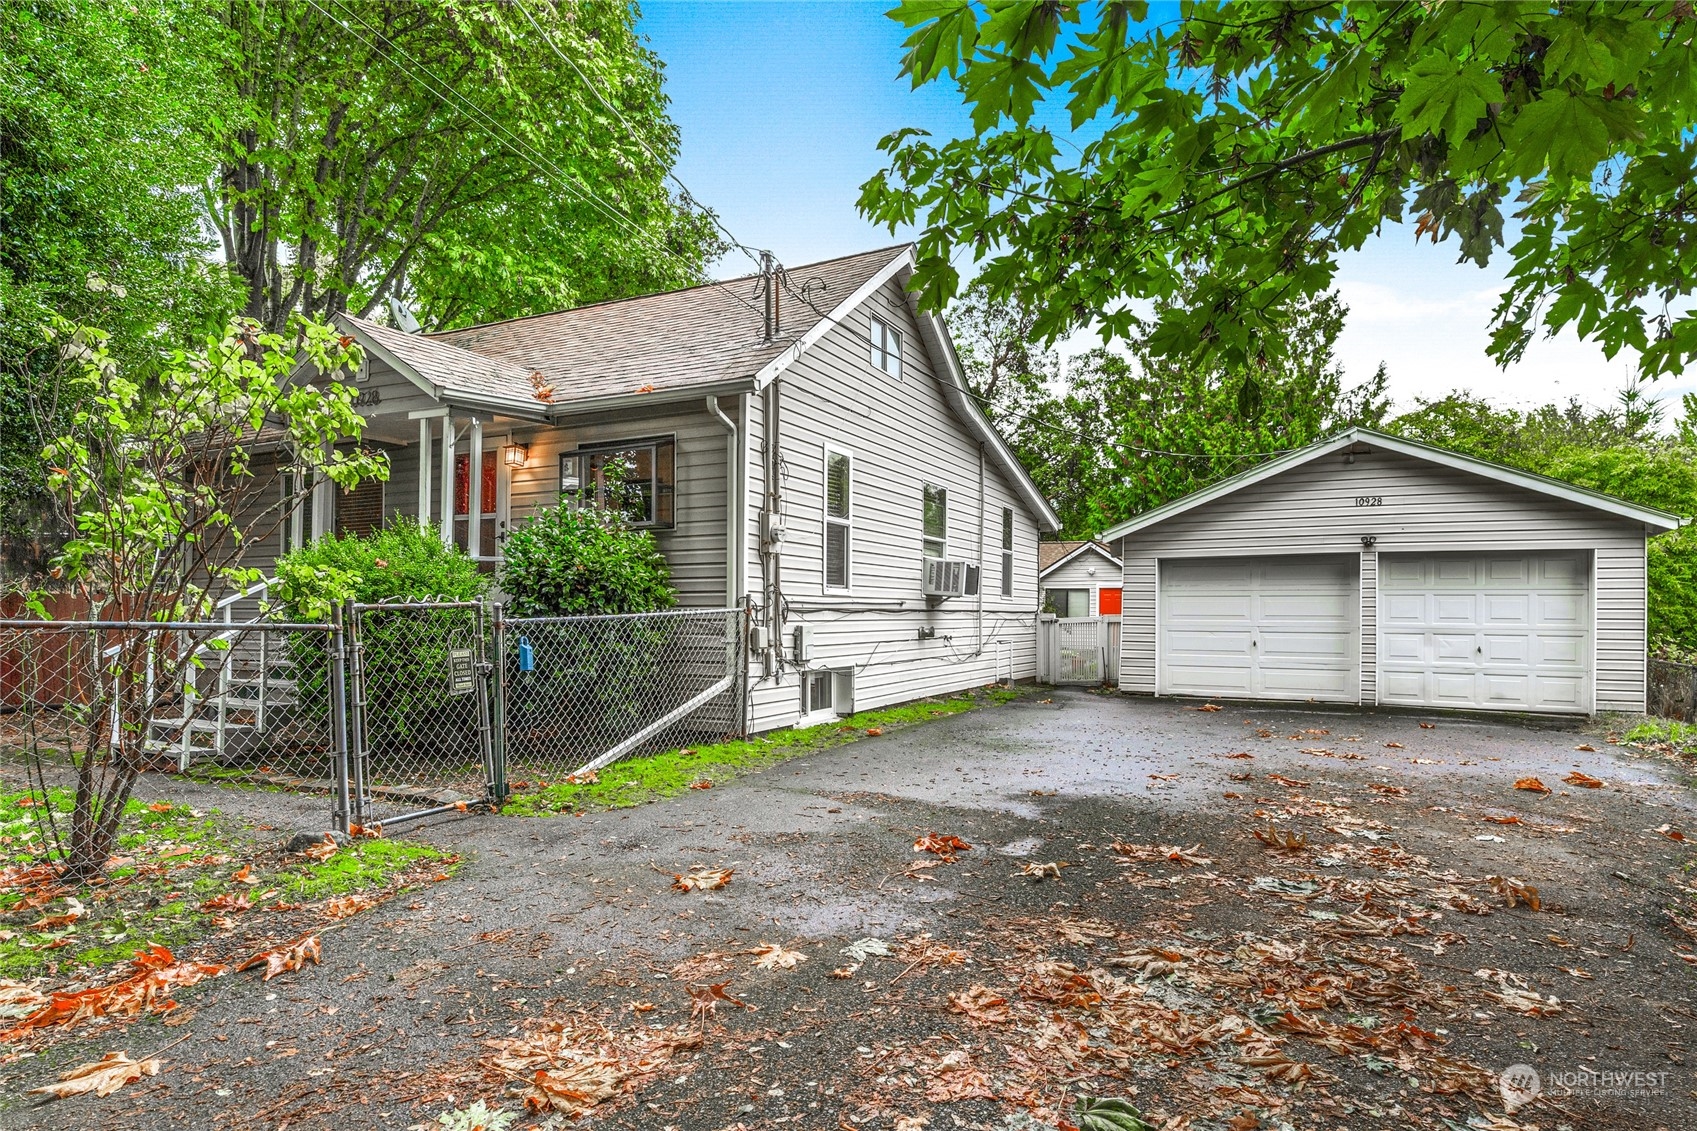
420	714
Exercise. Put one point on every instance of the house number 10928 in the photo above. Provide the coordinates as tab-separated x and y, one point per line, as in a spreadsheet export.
1369	500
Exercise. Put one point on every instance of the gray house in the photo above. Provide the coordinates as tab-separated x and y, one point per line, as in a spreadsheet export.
1370	569
807	443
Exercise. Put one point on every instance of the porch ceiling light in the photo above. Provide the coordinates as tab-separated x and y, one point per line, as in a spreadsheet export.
517	455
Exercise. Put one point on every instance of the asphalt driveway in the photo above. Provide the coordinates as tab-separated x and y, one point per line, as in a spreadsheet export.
1354	965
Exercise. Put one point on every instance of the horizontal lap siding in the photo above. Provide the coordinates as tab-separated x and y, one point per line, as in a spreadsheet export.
1620	612
695	546
901	435
1426	508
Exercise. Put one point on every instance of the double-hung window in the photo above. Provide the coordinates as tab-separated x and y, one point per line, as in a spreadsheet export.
636	479
1007	551
887	348
936	521
839	527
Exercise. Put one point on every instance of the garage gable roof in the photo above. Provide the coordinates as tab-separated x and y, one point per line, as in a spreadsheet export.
1658	520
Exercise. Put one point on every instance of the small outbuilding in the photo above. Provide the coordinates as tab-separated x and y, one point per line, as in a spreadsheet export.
1371	569
1078	579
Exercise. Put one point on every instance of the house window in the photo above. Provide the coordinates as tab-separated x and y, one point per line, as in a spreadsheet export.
1067	602
637	479
936	521
887	348
816	689
1007	551
839	486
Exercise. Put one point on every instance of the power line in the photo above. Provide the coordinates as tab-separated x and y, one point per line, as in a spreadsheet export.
517	146
636	135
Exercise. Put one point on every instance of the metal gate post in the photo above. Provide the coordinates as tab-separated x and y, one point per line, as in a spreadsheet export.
497	779
339	814
356	702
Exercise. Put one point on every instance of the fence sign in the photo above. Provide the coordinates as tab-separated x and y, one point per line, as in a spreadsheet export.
462	671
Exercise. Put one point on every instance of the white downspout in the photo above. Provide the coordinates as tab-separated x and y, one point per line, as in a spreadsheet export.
448	481
734	532
425	443
983	574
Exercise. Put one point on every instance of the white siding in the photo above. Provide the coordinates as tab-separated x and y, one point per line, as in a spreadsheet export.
1426	508
1076	574
902	435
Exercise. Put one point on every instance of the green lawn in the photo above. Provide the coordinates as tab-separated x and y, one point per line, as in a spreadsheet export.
170	863
639	780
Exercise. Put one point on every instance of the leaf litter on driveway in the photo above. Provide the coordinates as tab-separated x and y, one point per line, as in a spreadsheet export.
1360	962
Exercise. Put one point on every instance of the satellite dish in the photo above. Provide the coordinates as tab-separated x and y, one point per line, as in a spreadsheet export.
401	315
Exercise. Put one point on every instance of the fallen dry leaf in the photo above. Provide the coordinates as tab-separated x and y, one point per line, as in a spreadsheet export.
701	783
874	732
702	879
1038	871
586	777
322	850
1671	833
1587	747
707	998
1428	726
1206	707
161	807
941	845
155	971
343	906
1287	840
1185	856
290	956
74	910
102	1077
772	956
1531	785
228	901
981	1004
1584	781
1515	891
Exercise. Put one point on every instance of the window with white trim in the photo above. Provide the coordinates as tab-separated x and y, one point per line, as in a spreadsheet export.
816	692
839	522
1067	602
637	478
1007	551
936	521
886	348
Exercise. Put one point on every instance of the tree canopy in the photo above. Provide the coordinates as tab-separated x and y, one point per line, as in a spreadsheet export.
1249	144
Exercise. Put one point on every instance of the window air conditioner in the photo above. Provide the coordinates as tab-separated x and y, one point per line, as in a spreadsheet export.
947	577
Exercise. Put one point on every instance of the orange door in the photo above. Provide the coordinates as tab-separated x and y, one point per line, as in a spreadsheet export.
1108	602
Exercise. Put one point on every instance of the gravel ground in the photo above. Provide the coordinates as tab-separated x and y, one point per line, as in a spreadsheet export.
1340	983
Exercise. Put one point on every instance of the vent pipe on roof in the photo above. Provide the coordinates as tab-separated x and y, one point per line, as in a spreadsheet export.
771	273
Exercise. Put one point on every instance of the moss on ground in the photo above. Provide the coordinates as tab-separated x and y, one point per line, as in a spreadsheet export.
172	862
640	780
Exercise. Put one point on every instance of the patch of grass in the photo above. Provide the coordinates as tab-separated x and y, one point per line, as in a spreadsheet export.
171	860
636	781
1668	735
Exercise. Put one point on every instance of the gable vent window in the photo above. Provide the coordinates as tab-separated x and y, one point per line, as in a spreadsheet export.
839	530
1007	551
887	348
936	519
637	479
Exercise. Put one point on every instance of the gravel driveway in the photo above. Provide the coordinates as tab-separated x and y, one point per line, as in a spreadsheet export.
1370	976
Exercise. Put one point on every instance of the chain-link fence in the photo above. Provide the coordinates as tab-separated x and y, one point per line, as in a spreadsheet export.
582	692
420	709
1673	690
217	700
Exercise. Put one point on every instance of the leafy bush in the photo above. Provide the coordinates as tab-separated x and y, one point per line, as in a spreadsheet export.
565	562
403	652
1672	563
402	561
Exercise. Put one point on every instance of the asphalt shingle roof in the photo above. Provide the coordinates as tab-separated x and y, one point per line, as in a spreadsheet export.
697	337
1048	553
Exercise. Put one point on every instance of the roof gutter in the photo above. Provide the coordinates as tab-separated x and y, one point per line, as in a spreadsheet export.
586	405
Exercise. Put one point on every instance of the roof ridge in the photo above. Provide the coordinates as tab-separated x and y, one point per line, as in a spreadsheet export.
441	334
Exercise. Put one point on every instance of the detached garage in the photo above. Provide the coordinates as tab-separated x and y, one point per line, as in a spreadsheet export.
1371	569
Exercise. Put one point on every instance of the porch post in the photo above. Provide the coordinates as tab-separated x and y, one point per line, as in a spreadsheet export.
448	481
424	446
323	504
474	493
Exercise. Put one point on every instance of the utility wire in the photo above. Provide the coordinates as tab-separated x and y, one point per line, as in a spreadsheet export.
637	136
505	137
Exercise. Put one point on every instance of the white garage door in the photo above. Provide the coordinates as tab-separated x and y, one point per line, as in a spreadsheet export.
1494	631
1261	628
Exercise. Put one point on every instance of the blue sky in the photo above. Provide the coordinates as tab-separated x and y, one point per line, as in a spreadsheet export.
781	104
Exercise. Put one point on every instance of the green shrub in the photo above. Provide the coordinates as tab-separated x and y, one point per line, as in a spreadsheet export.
565	562
402	561
1672	563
